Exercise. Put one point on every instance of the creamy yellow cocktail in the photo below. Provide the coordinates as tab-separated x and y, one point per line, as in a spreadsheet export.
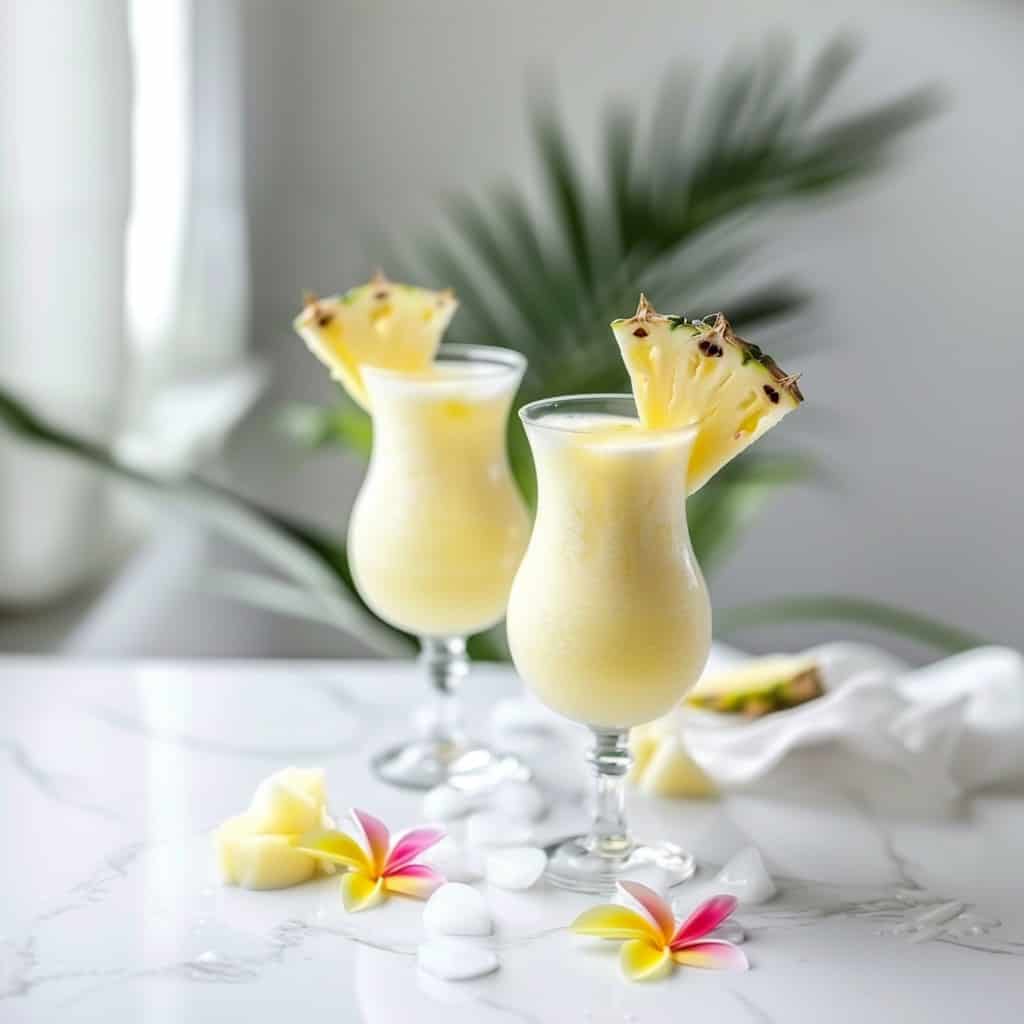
439	526
608	620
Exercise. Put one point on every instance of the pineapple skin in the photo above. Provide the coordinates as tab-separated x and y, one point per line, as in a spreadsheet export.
760	687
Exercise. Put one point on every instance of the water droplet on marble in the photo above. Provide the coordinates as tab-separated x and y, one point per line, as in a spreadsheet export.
941	914
971	920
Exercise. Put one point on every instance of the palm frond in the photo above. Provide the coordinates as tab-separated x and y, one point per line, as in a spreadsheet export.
547	281
878	615
721	510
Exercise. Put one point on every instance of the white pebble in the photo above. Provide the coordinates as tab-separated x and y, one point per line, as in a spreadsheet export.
518	867
455	960
457	909
520	801
445	803
456	864
488	828
746	877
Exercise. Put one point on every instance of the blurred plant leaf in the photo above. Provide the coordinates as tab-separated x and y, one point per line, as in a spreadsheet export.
548	282
317	426
312	562
856	610
267	593
721	510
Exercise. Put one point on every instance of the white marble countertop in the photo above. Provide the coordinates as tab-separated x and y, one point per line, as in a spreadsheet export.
111	777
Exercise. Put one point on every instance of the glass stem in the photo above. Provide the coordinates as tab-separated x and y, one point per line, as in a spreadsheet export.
446	663
610	758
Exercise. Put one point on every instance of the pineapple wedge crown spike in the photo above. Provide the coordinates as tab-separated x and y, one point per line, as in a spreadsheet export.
701	373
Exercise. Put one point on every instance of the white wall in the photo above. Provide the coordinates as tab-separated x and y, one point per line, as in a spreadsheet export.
363	113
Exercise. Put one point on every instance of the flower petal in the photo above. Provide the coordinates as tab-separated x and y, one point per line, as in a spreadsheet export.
416	880
713	953
336	848
642	961
360	892
654	905
377	837
409	845
706	918
611	921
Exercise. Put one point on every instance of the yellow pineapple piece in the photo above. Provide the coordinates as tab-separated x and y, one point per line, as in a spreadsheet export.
380	324
256	850
291	801
257	861
685	372
661	765
760	686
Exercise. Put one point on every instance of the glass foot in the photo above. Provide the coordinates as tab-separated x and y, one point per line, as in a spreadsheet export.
574	865
423	764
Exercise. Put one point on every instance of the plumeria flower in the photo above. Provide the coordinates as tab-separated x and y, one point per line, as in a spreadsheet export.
653	941
377	866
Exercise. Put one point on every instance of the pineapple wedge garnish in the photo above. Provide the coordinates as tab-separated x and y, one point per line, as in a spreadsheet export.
686	371
380	324
759	687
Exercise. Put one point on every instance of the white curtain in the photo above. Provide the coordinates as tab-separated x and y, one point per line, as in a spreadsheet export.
123	264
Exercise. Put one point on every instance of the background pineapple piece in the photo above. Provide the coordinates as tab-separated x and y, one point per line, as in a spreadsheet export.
760	686
661	765
381	323
692	372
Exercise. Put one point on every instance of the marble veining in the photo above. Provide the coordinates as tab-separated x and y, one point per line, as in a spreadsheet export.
111	908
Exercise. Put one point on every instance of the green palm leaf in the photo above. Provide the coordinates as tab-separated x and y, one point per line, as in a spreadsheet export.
859	611
313	562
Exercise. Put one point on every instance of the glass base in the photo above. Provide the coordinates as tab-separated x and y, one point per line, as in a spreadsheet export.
423	764
574	865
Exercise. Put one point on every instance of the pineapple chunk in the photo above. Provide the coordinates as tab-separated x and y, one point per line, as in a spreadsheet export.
252	860
691	372
256	849
290	801
760	686
661	765
381	324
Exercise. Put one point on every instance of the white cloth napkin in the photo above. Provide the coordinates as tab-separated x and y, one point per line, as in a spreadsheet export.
960	720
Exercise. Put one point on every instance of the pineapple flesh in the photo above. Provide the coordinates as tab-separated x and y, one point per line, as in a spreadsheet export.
760	687
380	324
692	372
661	764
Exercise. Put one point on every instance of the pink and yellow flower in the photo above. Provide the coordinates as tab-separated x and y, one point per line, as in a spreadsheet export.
377	866
653	942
